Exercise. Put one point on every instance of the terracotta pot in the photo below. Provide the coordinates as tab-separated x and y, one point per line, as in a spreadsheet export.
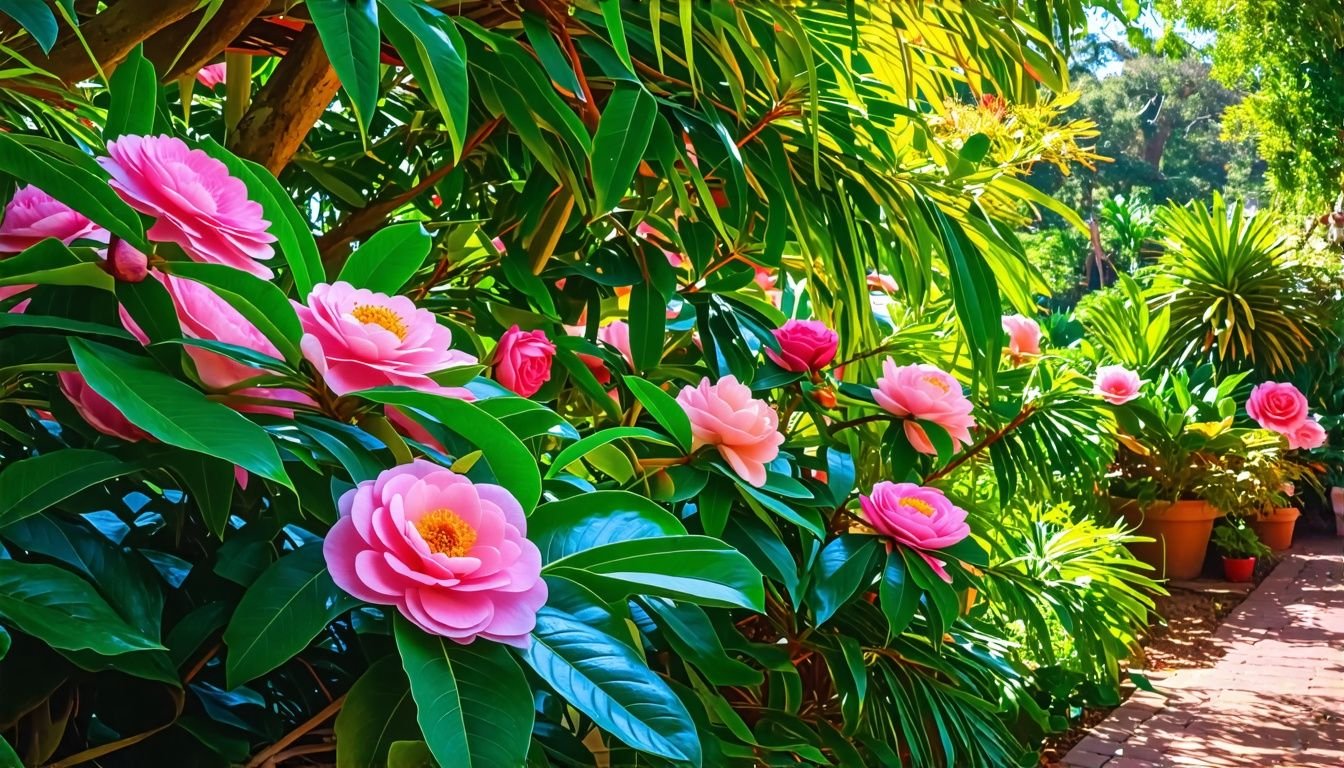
1180	533
1337	501
1238	568
1276	528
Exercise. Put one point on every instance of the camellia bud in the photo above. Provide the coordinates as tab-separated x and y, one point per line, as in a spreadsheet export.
824	396
125	263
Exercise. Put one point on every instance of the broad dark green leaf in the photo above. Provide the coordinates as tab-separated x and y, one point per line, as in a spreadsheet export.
58	608
174	412
899	593
281	613
691	634
648	326
38	20
377	712
5	642
581	448
135	91
387	260
510	461
473	702
263	304
622	135
50	262
410	754
433	49
840	571
573	525
664	409
31	485
697	569
349	32
210	483
604	679
56	323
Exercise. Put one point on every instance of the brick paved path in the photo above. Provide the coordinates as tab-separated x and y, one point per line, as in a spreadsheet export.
1275	699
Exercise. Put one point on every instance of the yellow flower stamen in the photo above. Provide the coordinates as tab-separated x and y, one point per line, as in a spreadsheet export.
919	505
382	317
446	533
937	382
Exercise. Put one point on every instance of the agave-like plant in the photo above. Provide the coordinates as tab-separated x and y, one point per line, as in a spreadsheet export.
1228	279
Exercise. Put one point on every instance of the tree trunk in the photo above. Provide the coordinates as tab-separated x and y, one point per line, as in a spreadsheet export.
164	48
111	35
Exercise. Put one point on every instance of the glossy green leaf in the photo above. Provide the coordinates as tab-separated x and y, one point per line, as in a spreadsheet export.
584	446
58	608
898	592
175	413
604	679
841	569
387	260
281	613
349	32
31	485
377	712
664	409
648	326
36	18
569	526
410	754
49	262
135	91
622	135
210	483
433	49
473	703
258	300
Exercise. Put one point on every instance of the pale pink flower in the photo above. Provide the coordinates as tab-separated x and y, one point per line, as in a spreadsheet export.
358	339
925	392
646	231
451	555
96	410
768	280
1310	434
918	517
744	430
1024	336
212	75
1278	406
617	334
596	365
13	290
883	283
804	346
1116	384
33	216
193	199
523	360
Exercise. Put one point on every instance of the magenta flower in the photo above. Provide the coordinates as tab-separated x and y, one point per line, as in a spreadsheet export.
193	199
358	339
804	346
212	75
451	555
1024	336
1307	436
523	360
96	410
32	216
1116	384
1278	406
744	430
925	392
918	517
617	334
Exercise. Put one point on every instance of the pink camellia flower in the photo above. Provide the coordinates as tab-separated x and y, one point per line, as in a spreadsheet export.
646	231
193	199
768	280
358	339
917	517
523	360
617	334
451	555
96	410
1116	384
804	346
126	264
744	430
1307	436
883	283
1278	406
1024	336
212	75
32	216
928	393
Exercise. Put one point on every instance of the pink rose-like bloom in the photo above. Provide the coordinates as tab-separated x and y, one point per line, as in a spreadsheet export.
918	517
744	430
804	345
1278	406
1024	336
523	360
617	334
358	339
928	393
212	75
32	216
96	410
1307	436
1116	384
451	555
193	199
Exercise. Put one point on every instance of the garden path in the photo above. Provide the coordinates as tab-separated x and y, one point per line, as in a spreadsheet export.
1275	699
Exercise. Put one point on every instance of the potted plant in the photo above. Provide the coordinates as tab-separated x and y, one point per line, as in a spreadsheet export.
1240	547
1174	472
1267	483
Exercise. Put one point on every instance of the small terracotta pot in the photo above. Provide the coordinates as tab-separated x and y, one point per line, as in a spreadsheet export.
1180	533
1240	569
1276	528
